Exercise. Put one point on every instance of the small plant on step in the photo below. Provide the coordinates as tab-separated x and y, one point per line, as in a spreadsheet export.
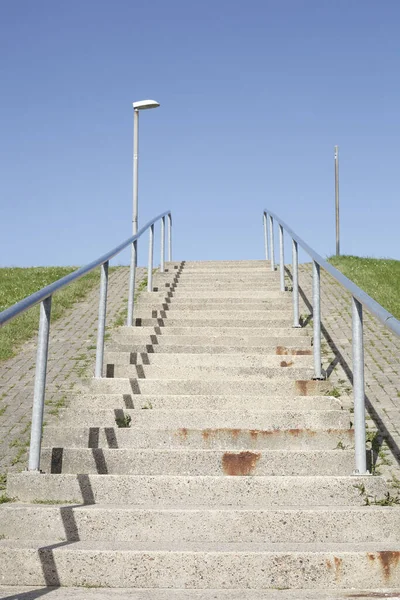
147	406
4	498
124	421
340	446
333	392
387	500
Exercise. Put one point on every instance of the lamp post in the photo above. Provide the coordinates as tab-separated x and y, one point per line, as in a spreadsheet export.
337	200
137	106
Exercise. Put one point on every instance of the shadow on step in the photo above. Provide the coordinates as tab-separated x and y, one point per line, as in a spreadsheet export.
339	359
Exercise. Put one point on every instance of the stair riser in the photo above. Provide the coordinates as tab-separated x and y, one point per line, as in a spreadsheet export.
223	526
204	388
243	304
66	566
177	314
193	463
218	323
175	492
250	403
224	360
210	373
224	439
249	294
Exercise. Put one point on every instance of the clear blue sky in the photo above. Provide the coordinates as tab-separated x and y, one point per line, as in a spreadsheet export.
254	95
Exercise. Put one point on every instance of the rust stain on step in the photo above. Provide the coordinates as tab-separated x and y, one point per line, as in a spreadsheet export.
338	568
282	350
388	560
285	363
240	463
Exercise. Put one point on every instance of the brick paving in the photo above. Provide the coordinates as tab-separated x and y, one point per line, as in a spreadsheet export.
71	360
382	364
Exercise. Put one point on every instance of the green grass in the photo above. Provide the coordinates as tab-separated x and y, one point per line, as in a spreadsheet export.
379	277
17	283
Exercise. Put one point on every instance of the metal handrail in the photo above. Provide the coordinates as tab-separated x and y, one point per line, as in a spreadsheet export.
44	297
359	299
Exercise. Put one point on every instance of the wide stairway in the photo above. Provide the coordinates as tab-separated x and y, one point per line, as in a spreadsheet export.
206	465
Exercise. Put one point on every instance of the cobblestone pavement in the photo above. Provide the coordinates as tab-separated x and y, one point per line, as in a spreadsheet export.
72	352
382	365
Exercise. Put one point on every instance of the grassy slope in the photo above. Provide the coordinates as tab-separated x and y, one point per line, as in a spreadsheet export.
17	283
379	277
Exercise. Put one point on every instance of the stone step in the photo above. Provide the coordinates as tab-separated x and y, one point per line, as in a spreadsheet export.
211	373
196	307
224	360
74	593
200	564
248	294
219	388
187	345
185	491
221	438
221	264
195	287
116	523
208	419
240	334
218	323
231	402
263	317
128	461
278	300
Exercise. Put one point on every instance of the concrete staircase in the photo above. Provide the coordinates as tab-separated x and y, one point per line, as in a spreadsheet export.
207	465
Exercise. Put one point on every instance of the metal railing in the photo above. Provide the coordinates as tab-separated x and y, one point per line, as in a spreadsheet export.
359	299
44	297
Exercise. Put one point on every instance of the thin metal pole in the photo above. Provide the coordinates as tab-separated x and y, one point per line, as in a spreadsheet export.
150	266
281	259
135	170
295	275
162	245
359	387
316	287
271	242
132	280
337	200
169	237
40	385
265	236
101	328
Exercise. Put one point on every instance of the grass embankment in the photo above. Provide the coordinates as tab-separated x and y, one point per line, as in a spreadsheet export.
17	283
379	277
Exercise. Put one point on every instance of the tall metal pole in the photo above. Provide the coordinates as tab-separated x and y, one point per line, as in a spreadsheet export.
337	200
135	170
358	387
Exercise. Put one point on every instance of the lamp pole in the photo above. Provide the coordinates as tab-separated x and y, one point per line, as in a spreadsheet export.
337	200
137	106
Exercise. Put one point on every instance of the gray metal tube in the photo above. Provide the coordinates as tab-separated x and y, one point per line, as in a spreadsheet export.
316	287
132	281
281	259
271	242
101	328
295	275
40	385
266	236
162	245
359	387
337	200
169	237
135	170
150	265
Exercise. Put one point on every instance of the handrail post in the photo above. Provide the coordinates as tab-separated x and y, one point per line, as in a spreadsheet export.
271	242
316	290
359	388
40	385
295	276
162	245
150	265
265	235
169	237
101	328
132	280
281	259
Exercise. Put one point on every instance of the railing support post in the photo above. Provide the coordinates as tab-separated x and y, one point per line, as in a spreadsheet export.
266	235
271	242
150	265
295	276
316	287
101	328
169	237
40	385
359	388
281	259
132	280
162	245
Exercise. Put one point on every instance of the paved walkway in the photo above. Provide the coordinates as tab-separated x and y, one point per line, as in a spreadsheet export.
72	353
382	365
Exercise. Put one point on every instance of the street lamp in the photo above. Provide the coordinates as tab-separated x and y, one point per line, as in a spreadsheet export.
137	106
141	105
